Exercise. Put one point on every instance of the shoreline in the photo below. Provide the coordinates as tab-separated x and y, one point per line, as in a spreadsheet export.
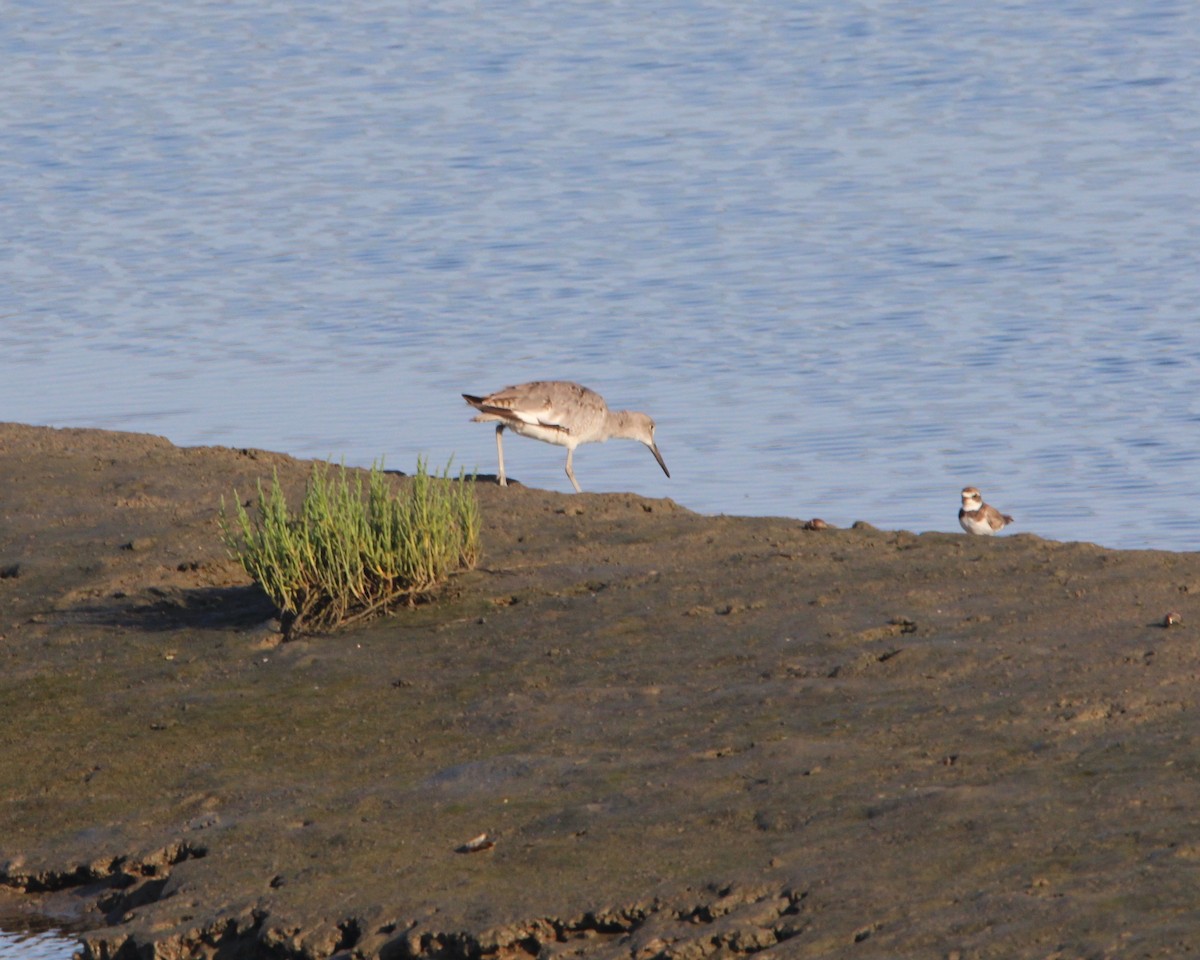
683	734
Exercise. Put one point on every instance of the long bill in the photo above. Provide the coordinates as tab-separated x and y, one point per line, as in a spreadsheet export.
658	456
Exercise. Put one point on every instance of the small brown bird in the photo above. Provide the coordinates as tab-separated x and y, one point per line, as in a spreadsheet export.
563	413
977	517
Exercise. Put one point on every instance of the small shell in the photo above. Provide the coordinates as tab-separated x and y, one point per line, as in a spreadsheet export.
477	844
816	523
1171	619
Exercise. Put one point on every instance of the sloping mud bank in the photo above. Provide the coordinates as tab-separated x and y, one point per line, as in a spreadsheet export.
682	736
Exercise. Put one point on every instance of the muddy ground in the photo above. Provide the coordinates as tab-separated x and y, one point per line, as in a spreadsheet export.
687	736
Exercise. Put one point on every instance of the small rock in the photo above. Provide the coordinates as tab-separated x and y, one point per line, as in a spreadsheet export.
863	933
1172	619
138	544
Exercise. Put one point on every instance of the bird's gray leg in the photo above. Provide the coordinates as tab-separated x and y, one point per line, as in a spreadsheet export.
570	472
500	453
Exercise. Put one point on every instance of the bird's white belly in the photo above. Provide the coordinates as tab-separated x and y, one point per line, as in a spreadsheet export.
536	431
977	526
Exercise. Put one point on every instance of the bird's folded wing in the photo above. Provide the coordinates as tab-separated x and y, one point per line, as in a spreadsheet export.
528	410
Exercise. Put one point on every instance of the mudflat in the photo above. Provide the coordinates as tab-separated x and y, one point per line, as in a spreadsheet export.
670	735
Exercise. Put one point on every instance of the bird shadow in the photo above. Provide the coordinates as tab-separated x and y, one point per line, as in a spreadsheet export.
477	477
493	479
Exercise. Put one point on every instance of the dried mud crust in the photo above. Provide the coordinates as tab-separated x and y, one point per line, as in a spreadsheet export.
682	736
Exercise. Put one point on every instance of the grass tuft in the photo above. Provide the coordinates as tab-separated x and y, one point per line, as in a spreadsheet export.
345	557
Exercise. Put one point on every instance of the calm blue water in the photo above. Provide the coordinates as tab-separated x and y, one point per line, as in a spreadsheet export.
851	257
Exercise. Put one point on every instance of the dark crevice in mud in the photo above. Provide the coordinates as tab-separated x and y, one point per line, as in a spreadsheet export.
129	894
50	881
226	940
728	922
724	922
351	933
119	873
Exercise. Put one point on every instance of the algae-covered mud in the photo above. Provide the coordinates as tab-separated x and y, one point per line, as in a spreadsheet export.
668	735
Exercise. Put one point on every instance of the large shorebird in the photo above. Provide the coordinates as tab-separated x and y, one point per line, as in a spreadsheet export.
561	412
977	517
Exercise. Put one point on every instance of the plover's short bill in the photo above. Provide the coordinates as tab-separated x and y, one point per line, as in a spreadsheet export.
977	517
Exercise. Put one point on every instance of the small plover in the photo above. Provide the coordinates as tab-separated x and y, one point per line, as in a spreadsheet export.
977	517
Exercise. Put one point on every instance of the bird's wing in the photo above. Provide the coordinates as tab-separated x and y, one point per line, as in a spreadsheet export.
535	408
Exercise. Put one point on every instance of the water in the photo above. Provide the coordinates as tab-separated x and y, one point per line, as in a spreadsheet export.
31	936
851	257
43	945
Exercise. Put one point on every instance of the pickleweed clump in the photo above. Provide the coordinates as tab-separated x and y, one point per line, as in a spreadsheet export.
348	554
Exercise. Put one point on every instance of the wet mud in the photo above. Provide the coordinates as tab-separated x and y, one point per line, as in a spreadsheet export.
632	732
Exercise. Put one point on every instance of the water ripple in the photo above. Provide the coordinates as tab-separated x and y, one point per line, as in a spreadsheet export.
850	258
